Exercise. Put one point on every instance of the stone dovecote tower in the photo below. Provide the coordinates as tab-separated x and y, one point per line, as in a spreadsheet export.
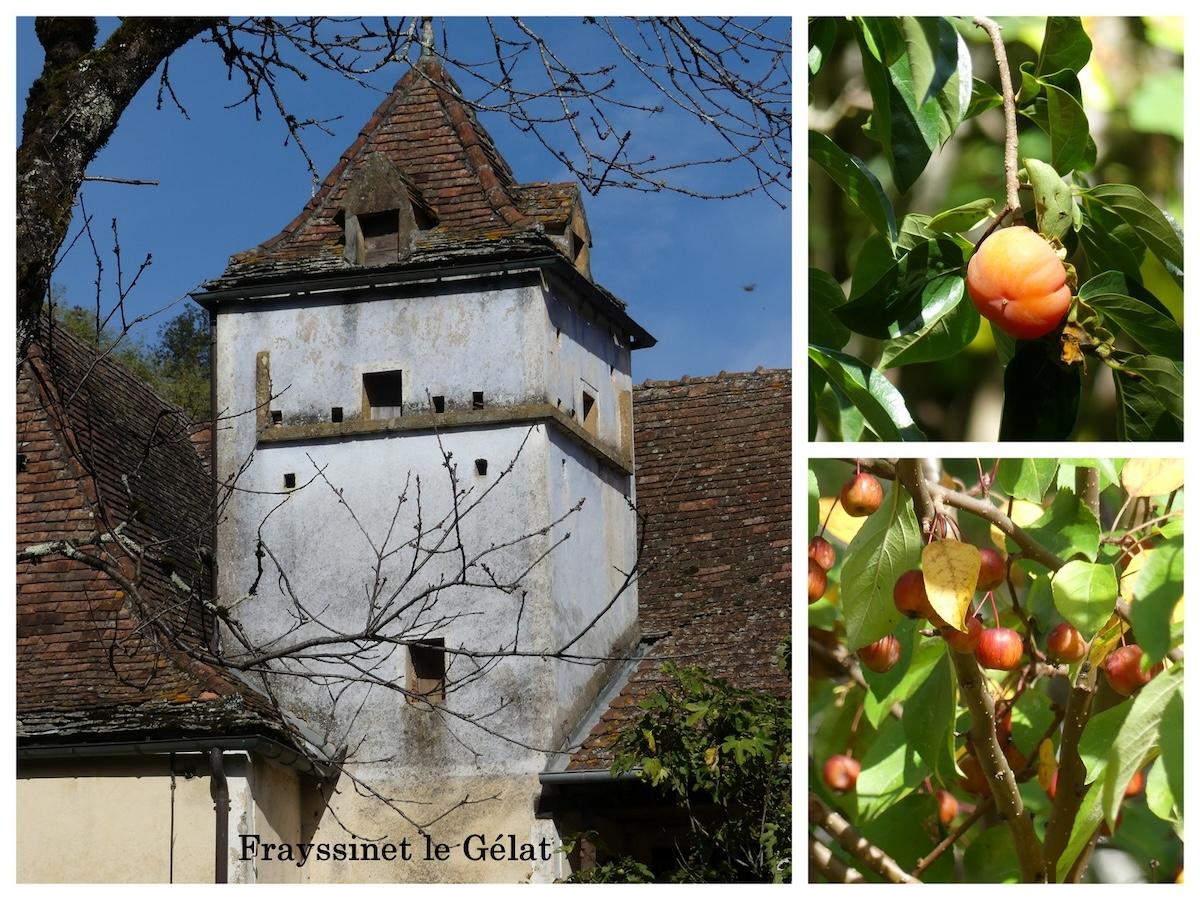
424	300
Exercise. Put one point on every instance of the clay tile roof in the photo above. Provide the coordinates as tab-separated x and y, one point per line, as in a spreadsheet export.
97	451
713	468
446	158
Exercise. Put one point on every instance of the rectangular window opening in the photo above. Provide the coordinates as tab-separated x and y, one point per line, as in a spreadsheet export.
589	411
335	414
277	417
439	403
481	467
289	480
381	236
427	670
384	394
477	400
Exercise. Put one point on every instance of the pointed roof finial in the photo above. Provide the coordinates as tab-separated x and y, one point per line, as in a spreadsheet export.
426	36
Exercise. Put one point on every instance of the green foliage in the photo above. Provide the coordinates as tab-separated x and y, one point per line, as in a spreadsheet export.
177	367
907	307
908	726
724	755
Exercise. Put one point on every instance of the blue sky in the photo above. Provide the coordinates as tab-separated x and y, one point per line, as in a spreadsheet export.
227	182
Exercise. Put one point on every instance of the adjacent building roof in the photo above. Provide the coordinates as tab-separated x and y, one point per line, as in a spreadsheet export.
713	467
107	474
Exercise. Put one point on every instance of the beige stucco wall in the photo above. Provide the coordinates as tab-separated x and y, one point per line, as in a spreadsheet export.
110	820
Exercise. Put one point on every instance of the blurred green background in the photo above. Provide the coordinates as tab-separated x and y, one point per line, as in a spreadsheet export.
1133	97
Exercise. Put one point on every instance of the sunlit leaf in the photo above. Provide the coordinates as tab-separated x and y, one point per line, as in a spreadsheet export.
962	218
1151	329
1152	476
1151	225
1085	593
1026	479
1052	199
876	397
888	545
1158	588
929	721
1068	527
942	335
856	180
1065	46
951	570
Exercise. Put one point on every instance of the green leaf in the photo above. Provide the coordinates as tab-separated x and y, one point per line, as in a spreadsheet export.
1065	46
1006	345
929	721
962	218
1149	399
1085	594
875	259
1155	332
1158	587
1137	738
890	771
942	336
840	417
983	97
1170	735
1158	792
990	859
1113	282
1052	199
887	545
916	291
1026	479
874	396
1031	716
857	181
883	683
1151	225
1098	737
1041	395
1109	243
1108	470
1051	103
1068	527
925	654
1087	820
932	52
824	297
822	32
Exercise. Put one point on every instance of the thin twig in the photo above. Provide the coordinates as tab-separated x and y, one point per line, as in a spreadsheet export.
1012	184
854	843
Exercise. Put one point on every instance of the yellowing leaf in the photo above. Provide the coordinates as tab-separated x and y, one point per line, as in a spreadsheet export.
842	526
1047	765
1129	577
1106	639
1024	513
1151	477
951	570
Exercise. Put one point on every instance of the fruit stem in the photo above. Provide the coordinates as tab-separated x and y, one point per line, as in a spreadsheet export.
1011	183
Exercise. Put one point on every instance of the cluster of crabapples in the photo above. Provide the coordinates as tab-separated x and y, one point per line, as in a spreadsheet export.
997	648
860	496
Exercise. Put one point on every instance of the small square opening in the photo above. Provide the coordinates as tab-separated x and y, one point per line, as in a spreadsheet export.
384	394
477	400
427	670
289	480
439	404
277	417
335	414
481	467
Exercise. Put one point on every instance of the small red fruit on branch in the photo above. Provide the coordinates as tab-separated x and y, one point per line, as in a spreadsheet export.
992	570
947	805
973	780
818	581
882	654
1136	783
861	495
1018	283
841	772
964	642
910	597
1065	644
1123	669
999	648
822	553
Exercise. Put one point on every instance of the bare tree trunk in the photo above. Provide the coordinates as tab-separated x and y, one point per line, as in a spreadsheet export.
71	112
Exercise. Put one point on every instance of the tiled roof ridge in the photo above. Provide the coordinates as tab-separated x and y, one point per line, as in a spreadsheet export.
711	379
478	148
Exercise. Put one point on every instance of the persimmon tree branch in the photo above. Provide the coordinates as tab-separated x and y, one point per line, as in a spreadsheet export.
855	844
1012	184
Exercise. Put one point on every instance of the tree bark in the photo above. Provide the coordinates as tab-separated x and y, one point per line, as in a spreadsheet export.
71	112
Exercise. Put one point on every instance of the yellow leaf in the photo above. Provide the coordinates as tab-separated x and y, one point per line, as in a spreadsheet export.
1047	765
1024	514
841	526
951	570
1129	577
1151	477
1106	639
710	758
